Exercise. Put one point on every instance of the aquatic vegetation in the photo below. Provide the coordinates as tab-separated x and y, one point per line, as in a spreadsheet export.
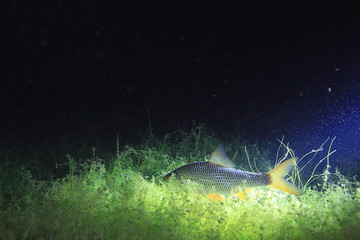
128	200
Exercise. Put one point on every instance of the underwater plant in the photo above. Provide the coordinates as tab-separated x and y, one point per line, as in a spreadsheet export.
124	197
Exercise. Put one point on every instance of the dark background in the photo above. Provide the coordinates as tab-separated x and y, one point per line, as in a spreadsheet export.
85	71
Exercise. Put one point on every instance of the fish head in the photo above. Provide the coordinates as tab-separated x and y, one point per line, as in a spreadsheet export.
170	175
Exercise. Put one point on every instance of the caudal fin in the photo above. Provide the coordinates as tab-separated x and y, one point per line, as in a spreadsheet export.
277	177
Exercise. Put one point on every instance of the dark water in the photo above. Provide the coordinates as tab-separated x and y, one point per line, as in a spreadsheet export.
77	74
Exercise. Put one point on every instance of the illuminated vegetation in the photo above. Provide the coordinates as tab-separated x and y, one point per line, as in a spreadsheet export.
124	197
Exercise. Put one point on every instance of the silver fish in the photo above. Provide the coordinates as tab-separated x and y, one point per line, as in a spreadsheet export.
219	176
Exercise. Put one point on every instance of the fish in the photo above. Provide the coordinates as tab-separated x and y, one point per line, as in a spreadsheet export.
219	177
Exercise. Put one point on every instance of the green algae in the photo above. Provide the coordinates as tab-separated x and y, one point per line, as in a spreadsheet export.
128	200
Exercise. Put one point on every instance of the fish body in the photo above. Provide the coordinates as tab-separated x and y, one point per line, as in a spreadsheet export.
218	175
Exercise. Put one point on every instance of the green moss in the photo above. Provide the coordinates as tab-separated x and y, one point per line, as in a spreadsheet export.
128	200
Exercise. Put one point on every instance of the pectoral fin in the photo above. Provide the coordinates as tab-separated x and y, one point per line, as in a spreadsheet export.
216	197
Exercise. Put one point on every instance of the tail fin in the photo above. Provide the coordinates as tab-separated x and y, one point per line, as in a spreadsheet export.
277	177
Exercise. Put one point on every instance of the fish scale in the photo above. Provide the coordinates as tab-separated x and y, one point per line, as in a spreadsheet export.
223	180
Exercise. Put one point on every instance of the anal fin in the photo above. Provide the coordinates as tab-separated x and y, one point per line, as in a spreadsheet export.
243	194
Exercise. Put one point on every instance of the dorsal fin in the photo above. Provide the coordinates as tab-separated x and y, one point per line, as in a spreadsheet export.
219	157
